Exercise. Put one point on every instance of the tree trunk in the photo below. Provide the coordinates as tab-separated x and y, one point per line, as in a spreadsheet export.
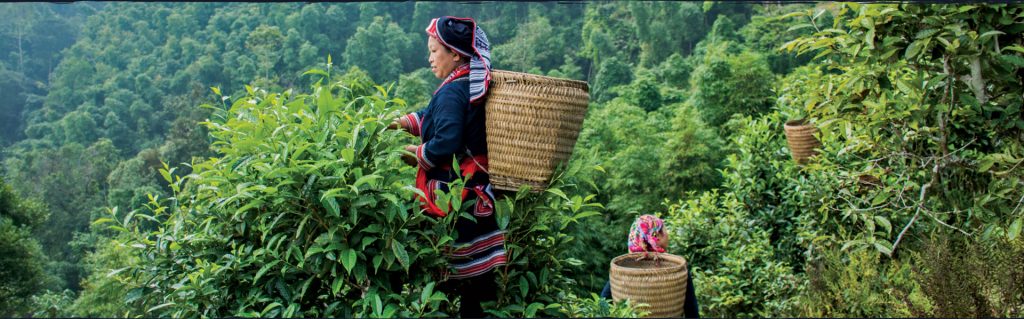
21	51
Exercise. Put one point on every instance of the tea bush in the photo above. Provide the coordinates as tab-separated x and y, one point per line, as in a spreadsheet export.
733	262
917	180
597	307
308	211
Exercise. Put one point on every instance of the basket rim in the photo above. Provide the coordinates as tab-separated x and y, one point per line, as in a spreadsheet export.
544	78
797	123
680	265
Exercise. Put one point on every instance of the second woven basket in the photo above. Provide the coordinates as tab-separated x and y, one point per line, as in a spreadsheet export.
801	140
532	125
661	285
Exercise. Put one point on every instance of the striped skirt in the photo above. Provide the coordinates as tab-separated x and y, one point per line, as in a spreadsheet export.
479	245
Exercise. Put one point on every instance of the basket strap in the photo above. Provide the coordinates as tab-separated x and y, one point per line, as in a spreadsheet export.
482	167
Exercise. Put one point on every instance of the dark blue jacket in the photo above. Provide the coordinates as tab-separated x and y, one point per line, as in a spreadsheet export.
450	126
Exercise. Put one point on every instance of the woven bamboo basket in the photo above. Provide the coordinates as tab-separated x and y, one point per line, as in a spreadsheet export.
661	285
532	125
801	140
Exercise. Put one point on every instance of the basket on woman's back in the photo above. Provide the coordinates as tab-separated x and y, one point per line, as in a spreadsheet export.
532	125
660	284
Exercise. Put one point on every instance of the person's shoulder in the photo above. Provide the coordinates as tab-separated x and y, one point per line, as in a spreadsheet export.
460	85
456	92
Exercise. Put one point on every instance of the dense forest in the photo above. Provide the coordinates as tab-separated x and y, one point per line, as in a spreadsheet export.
231	159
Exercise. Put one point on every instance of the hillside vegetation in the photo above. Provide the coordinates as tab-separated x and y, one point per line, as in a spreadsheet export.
231	159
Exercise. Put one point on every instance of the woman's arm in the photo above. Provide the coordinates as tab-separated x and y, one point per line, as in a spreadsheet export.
448	120
410	122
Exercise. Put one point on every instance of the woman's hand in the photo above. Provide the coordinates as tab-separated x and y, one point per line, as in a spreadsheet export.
400	122
408	156
652	255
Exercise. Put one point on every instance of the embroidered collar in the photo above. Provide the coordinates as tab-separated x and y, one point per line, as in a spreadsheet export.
459	71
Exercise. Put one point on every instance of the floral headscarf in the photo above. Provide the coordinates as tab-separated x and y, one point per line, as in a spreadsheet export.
641	234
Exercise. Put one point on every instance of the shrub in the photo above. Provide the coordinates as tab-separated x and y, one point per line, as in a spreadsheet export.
597	307
862	284
964	278
731	80
308	211
735	271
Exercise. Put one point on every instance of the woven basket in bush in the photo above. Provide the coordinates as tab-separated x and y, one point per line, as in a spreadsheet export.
532	125
661	285
801	140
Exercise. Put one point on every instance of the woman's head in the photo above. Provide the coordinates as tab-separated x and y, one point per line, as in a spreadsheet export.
443	60
457	41
647	234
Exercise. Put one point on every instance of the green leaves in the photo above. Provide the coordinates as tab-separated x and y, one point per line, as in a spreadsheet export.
293	198
1015	60
880	198
987	162
883	248
272	306
524	287
315	71
348	259
348	155
989	34
160	306
264	270
1014	230
366	180
557	192
399	250
331	205
531	310
914	49
597	307
884	222
1016	48
926	33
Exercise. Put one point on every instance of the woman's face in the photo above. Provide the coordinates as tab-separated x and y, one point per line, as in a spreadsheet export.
662	239
442	61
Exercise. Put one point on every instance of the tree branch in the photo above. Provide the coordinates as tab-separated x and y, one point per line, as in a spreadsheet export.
1019	202
932	215
920	205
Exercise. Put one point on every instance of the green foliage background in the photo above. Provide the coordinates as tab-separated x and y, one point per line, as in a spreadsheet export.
133	189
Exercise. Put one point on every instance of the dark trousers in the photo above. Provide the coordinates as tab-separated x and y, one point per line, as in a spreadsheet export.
472	291
690	307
